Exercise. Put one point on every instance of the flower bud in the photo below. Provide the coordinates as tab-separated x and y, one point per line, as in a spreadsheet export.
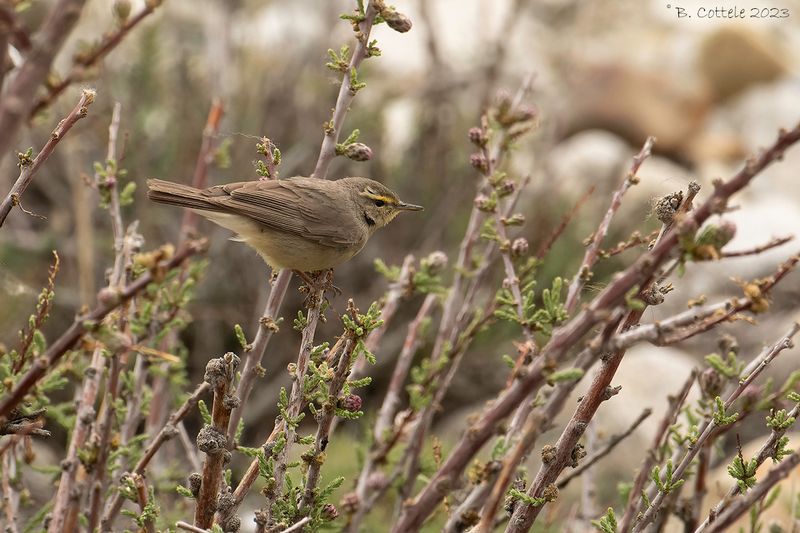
435	262
505	187
329	512
519	247
478	136
122	10
396	20
108	296
479	162
484	203
711	383
349	502
358	152
377	480
195	480
351	403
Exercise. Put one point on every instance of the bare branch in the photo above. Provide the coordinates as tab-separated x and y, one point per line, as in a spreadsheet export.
752	371
602	452
675	405
742	504
773	243
30	167
416	510
85	61
212	439
167	432
17	102
591	254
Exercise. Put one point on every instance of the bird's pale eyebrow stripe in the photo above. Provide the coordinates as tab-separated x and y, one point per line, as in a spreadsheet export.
387	199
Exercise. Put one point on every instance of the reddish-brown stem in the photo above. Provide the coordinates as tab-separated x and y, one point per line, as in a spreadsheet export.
142	497
547	244
165	433
212	439
204	159
418	509
602	452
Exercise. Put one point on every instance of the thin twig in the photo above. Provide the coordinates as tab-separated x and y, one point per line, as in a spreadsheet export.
385	420
189	527
142	497
419	508
753	370
83	423
547	244
591	254
745	502
85	61
326	415
773	243
167	432
346	95
297	526
766	451
123	252
296	397
10	494
30	167
204	159
17	102
670	416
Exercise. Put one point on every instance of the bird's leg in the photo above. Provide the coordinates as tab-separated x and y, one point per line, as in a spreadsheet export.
310	283
320	280
326	276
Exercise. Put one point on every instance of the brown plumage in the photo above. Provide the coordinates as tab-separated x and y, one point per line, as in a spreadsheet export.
300	223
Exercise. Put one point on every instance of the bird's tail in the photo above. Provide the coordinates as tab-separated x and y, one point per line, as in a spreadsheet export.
167	192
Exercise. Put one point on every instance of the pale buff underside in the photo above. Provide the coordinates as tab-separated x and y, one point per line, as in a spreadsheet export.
278	249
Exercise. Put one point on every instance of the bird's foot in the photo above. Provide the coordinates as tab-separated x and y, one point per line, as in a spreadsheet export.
318	281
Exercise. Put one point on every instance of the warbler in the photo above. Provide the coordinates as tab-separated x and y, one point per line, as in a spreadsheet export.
303	224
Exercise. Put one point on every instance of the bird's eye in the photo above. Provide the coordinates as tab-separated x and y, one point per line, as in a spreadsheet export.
379	203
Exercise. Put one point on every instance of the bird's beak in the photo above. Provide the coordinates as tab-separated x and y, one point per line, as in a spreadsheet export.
408	207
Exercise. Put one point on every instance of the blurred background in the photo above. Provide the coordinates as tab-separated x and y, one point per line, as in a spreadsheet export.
607	75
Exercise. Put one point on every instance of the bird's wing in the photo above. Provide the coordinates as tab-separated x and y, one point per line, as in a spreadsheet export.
316	212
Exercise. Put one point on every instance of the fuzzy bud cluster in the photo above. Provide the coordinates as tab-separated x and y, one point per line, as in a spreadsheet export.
357	152
479	162
505	188
351	403
484	203
519	248
435	262
478	137
396	20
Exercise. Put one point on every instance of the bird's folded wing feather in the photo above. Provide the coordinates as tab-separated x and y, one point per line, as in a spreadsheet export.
313	213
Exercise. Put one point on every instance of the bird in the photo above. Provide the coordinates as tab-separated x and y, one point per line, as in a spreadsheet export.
300	223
